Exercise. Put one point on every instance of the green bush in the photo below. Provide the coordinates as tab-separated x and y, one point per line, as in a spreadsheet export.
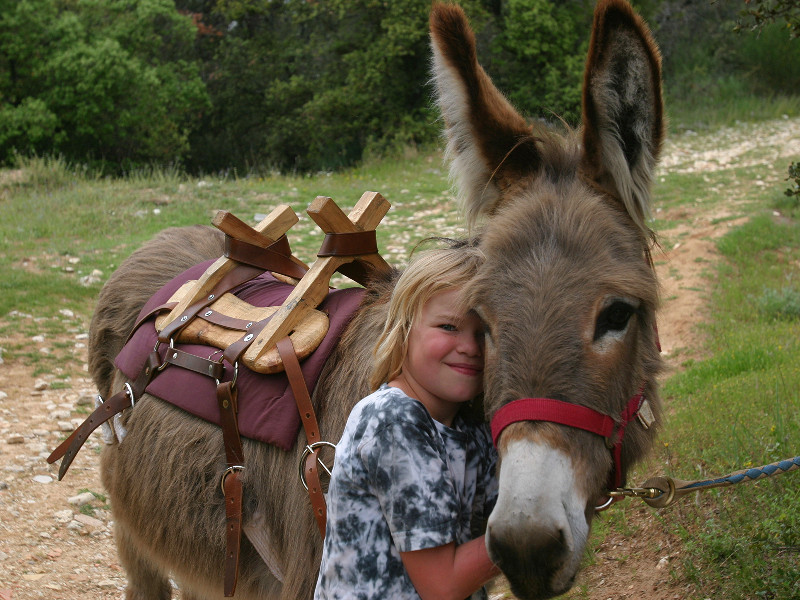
107	81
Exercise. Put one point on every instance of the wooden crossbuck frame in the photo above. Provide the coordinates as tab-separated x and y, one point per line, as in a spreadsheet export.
310	289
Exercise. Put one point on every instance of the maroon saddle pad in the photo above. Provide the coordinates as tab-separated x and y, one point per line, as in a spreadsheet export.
267	409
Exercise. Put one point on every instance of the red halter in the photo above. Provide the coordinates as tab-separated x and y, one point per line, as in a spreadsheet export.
572	415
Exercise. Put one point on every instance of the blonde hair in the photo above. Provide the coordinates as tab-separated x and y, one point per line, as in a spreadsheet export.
428	273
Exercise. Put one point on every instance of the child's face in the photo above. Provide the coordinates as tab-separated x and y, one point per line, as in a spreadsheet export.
444	363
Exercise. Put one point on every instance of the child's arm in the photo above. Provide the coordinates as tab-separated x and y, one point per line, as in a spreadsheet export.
450	571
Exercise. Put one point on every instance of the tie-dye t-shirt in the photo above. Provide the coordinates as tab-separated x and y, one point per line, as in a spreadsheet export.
401	482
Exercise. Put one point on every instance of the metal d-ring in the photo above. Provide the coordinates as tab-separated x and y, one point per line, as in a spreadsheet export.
227	472
129	393
165	363
235	374
605	505
308	450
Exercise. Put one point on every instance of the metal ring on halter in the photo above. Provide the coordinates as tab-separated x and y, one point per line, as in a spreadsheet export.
308	450
604	506
227	472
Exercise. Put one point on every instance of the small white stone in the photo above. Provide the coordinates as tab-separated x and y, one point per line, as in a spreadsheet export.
81	499
89	521
63	516
43	479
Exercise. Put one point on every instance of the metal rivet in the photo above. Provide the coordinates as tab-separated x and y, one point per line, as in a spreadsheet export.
248	337
224	404
184	318
209	313
211	296
175	355
249	325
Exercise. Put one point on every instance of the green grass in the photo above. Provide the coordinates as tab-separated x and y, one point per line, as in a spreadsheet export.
725	103
741	408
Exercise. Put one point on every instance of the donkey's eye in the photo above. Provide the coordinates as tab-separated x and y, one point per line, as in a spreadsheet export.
613	318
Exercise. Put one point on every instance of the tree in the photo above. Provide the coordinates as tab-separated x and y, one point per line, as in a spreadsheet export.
539	54
762	12
112	81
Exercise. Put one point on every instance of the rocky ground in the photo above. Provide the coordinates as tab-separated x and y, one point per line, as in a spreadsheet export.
56	538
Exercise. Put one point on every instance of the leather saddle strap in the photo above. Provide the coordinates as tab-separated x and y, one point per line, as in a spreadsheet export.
310	426
198	364
114	405
275	257
237	348
241	274
353	243
231	482
147	315
217	318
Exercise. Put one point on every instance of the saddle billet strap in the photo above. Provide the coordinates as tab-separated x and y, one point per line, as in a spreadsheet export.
310	426
275	257
231	482
114	405
241	274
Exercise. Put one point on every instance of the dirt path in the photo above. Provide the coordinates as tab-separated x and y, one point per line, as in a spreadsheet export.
52	548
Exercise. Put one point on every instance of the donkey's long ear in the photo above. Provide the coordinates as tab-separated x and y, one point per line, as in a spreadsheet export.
623	113
489	144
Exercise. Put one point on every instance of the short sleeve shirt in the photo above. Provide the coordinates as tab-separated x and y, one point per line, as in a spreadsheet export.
401	482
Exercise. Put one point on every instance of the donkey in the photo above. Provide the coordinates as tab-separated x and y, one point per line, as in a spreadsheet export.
568	295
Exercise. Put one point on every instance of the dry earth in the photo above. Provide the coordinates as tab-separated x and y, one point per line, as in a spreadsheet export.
50	547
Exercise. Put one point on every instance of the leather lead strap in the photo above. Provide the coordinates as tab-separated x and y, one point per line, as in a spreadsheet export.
114	405
310	426
231	483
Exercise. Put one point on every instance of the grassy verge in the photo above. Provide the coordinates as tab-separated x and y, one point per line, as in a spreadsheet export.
741	408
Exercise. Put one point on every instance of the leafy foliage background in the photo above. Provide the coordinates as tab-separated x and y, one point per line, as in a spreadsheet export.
298	85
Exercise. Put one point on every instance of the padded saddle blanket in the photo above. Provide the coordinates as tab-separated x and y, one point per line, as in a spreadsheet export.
267	409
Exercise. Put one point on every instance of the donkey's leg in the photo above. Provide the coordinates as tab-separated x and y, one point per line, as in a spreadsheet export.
145	580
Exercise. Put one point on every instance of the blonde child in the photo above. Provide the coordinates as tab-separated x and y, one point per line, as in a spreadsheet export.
413	482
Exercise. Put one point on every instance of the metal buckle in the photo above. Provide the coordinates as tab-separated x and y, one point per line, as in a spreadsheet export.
129	393
227	472
308	450
165	363
235	374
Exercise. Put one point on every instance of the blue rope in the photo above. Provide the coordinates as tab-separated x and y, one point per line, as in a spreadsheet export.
748	474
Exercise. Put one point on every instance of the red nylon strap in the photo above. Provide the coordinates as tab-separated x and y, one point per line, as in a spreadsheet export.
631	410
554	411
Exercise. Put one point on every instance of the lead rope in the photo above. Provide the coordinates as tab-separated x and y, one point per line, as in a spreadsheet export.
660	492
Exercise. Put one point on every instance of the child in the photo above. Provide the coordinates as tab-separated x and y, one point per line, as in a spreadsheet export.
413	481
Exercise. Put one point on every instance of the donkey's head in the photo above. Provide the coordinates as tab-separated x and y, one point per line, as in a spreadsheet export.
567	291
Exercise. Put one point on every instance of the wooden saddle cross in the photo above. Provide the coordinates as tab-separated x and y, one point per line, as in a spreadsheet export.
349	246
349	239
